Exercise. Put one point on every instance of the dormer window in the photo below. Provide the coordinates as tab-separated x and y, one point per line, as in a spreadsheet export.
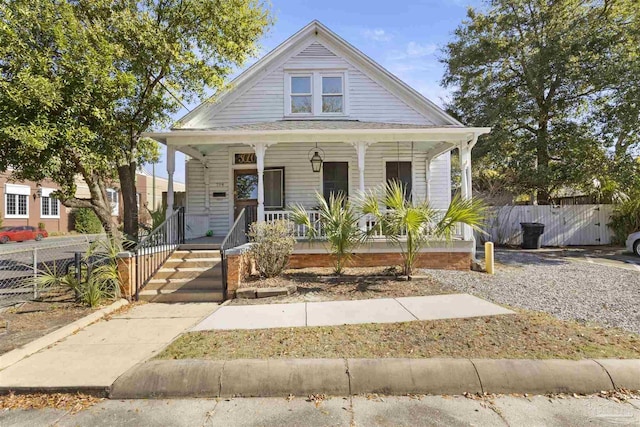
301	94
315	93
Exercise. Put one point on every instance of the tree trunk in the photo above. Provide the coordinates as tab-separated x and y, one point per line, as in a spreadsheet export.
127	177
542	163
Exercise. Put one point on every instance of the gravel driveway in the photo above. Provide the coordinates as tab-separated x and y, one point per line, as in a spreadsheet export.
567	289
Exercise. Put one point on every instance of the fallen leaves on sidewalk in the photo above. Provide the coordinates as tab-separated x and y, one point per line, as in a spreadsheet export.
65	401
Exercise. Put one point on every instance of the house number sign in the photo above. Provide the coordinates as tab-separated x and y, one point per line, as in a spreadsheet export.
244	158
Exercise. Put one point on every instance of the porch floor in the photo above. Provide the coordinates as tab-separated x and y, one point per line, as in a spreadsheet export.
326	313
202	243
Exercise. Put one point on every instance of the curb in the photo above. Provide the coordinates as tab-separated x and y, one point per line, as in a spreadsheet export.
282	377
35	346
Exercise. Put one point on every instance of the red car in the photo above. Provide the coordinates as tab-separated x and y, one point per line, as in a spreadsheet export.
21	233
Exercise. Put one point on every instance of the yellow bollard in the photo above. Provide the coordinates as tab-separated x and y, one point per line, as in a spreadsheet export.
488	257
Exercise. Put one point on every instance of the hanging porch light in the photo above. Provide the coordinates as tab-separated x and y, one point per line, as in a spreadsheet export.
317	158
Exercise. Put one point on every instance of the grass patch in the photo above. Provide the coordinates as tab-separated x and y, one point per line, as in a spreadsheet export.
524	335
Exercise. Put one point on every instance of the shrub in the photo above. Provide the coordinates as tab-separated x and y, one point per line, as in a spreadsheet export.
41	226
86	221
272	246
625	219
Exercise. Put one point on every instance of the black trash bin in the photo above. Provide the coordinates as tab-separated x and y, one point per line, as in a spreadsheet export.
532	235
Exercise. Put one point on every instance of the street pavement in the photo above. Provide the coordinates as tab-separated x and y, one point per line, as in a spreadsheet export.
369	411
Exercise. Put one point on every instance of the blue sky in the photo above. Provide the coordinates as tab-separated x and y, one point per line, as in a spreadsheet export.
403	36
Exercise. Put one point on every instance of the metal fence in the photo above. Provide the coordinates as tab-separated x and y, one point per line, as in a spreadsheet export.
22	263
237	236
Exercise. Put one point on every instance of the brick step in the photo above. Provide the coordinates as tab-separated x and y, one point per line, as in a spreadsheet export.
182	296
214	272
194	284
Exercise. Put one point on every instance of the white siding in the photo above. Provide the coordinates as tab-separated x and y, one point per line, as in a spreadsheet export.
264	100
301	183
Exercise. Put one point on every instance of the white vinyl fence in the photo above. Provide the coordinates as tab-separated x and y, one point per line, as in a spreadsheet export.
564	225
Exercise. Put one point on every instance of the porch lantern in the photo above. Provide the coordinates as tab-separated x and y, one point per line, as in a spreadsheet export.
317	159
38	193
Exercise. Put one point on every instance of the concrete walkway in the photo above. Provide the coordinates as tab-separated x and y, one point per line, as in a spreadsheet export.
383	310
96	356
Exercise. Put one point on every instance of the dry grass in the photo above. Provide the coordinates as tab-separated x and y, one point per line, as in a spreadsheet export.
68	402
320	284
524	335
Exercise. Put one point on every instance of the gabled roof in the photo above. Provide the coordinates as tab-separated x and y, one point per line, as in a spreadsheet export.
378	73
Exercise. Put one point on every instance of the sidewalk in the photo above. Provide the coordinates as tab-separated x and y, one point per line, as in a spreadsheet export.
96	356
371	411
328	313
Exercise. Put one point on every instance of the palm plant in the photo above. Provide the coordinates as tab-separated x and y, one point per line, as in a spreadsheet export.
409	225
338	220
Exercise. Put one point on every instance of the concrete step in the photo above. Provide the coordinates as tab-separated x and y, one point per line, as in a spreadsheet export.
182	296
191	263
165	274
193	254
172	285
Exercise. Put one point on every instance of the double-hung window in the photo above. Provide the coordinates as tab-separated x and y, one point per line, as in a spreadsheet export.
301	94
400	172
315	93
274	188
49	206
16	201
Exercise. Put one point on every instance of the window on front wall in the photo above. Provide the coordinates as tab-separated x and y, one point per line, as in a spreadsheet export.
274	188
400	172
301	95
49	206
335	179
16	201
332	94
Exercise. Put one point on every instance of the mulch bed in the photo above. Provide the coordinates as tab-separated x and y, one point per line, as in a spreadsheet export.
523	335
320	284
28	321
72	403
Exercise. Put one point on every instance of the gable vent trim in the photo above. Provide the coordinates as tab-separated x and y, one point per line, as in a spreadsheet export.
316	49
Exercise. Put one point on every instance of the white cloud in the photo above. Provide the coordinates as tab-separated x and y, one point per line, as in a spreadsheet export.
415	49
377	34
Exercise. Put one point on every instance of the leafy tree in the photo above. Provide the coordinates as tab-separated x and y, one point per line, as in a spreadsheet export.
81	80
556	80
409	225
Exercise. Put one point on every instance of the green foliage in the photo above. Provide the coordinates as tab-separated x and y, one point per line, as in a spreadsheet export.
558	82
272	246
338	220
81	80
625	219
409	225
85	221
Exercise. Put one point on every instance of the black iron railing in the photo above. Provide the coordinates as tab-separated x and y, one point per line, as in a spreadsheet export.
155	248
237	236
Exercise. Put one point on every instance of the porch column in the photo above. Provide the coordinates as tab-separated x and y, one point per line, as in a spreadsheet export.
171	168
428	177
465	184
361	151
207	185
260	148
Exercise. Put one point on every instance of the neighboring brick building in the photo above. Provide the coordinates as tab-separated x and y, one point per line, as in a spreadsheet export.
27	203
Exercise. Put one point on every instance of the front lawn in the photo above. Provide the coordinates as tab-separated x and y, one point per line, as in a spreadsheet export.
523	335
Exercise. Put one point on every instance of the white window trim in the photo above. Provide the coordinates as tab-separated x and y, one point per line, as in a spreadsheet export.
17	190
46	192
115	207
282	193
316	94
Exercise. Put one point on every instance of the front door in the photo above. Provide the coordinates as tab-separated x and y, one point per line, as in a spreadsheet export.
245	191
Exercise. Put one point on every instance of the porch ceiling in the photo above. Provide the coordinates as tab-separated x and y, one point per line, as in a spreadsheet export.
345	131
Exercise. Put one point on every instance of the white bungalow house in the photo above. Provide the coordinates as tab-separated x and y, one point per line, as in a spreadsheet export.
313	94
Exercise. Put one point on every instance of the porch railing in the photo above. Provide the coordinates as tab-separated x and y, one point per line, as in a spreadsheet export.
237	236
300	231
155	248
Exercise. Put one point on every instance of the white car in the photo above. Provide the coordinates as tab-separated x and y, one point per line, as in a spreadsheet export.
633	243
